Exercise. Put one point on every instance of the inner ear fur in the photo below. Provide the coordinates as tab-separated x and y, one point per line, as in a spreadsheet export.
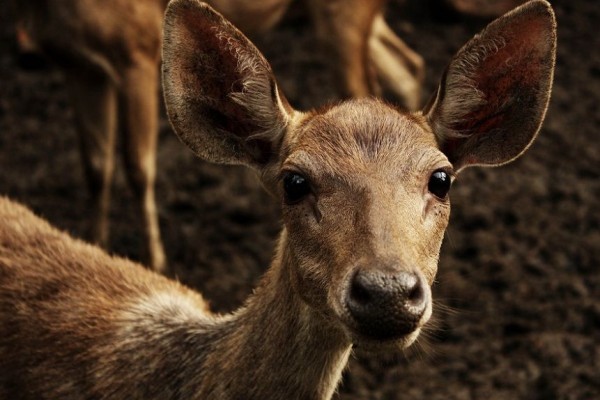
493	96
220	93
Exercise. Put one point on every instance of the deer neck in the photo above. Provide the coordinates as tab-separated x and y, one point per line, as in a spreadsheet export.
285	348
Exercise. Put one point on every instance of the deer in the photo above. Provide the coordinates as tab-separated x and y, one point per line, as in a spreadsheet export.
109	52
483	8
364	191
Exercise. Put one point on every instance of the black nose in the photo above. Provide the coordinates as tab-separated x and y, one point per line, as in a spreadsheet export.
387	305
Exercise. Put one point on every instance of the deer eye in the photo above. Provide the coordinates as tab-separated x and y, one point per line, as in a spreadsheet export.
295	186
439	184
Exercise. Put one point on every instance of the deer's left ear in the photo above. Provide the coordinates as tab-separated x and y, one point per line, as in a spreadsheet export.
494	94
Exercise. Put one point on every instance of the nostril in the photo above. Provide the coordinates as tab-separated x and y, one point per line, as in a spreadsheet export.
359	291
416	294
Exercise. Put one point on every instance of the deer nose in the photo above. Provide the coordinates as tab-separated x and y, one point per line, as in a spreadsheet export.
387	305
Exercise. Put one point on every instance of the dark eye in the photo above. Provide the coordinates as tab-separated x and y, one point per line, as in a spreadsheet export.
296	187
439	184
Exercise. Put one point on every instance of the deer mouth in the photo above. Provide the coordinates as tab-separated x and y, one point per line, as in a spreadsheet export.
377	346
384	335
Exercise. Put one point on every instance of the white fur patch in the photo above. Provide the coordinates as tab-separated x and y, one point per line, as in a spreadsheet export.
165	306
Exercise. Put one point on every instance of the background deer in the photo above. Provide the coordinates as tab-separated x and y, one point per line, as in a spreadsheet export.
364	190
483	8
110	51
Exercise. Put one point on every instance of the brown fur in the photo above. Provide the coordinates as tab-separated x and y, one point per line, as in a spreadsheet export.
73	319
76	323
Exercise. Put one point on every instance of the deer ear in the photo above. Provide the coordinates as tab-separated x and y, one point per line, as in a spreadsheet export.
494	93
220	93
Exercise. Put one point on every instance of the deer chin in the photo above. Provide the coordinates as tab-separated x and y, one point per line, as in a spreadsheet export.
377	346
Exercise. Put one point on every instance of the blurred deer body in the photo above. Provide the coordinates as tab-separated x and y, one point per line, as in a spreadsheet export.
364	194
484	8
110	52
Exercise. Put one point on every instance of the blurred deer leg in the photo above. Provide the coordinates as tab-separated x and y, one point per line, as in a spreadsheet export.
94	98
139	123
250	16
399	69
344	28
484	8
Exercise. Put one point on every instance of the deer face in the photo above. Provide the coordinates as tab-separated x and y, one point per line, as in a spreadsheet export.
365	205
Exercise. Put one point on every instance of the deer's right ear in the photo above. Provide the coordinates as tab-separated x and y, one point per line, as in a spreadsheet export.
220	92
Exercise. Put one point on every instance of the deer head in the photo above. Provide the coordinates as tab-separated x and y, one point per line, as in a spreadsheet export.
363	186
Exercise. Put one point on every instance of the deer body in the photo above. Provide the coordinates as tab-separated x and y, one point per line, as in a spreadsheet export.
364	194
124	337
109	52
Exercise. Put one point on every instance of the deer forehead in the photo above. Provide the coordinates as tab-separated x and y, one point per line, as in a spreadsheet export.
364	140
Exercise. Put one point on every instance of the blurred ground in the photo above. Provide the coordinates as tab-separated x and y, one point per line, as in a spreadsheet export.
519	278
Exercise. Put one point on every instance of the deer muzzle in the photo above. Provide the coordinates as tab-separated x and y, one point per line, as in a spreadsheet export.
386	305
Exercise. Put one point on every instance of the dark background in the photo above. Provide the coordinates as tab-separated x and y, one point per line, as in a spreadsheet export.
518	287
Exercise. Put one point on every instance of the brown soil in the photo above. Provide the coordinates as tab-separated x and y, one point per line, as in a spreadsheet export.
518	289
